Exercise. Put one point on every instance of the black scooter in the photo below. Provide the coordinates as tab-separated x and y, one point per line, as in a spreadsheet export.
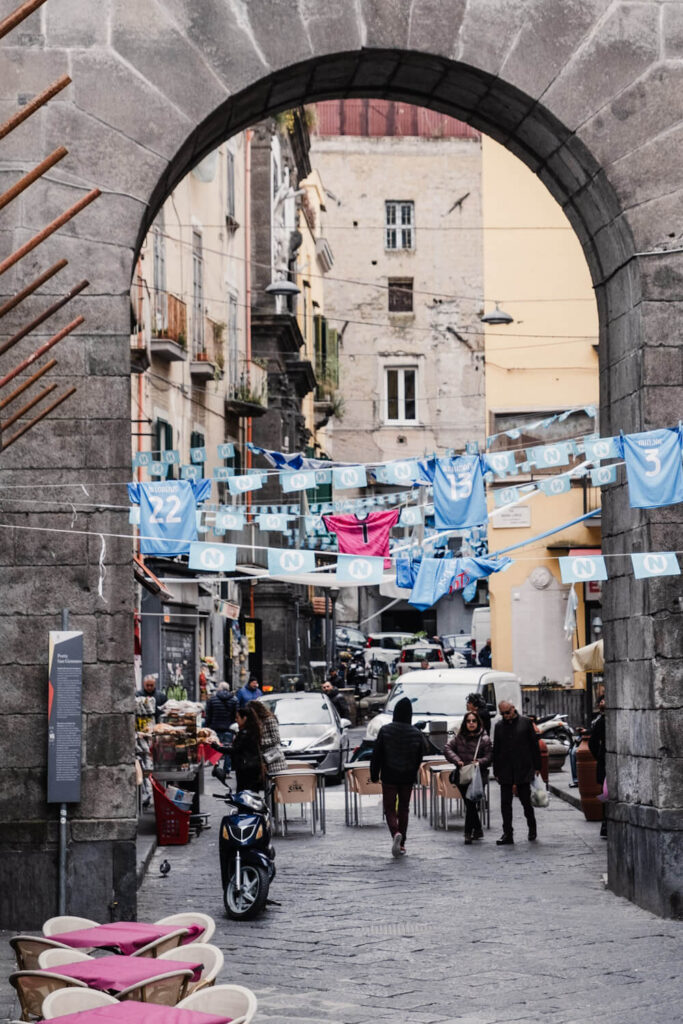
246	854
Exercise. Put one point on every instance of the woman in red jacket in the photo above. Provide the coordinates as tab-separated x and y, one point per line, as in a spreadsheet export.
470	745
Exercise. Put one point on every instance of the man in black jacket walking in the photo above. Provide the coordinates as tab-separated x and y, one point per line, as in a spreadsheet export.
395	759
516	760
221	711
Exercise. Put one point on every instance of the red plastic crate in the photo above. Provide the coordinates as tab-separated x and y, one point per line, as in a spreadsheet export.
173	824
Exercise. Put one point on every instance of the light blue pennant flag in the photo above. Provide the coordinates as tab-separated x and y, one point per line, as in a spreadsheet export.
505	496
171	457
227	519
272	521
142	459
190	472
248	482
198	454
582	568
590	410
410	516
600	448
158	469
226	451
312	523
359	569
218	532
212	557
345	477
514	433
288	563
223	472
134	515
655	563
401	472
549	455
297	480
502	463
323	476
471	447
603	475
558	485
380	474
200	521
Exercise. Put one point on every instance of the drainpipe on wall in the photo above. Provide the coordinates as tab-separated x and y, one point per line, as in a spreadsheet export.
248	135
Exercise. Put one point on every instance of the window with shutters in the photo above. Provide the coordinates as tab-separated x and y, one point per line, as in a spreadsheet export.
399	219
163	442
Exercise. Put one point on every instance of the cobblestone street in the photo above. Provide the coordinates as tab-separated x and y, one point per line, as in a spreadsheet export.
475	934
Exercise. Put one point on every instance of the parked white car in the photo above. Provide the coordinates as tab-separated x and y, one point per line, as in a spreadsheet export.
386	647
439	695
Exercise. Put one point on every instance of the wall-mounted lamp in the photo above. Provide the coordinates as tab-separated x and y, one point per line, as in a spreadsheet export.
282	287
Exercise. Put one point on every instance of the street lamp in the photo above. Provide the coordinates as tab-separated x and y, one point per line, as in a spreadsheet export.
334	594
282	287
496	316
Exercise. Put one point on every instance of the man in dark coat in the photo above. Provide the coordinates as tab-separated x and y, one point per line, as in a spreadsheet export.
395	759
221	711
596	745
149	689
516	760
337	698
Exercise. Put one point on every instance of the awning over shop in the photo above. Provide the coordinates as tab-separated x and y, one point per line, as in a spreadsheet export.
590	658
144	575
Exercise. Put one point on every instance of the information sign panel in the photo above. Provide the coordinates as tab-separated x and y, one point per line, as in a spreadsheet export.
64	717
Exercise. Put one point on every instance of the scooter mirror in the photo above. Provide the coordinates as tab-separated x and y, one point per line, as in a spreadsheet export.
345	723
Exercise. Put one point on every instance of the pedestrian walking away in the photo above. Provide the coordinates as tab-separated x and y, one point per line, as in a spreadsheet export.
516	760
596	745
396	757
221	711
471	745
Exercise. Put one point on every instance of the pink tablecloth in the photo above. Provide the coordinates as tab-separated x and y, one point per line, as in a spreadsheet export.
127	936
130	1012
114	973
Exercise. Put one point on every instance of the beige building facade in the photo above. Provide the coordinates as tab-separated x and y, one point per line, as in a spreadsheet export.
542	363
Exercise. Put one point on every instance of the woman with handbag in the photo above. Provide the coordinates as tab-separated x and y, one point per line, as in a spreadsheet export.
245	752
469	748
271	747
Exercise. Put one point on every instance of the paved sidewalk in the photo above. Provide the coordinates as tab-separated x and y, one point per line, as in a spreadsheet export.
474	934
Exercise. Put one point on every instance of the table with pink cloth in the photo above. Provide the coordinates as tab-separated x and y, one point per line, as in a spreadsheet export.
126	936
114	973
131	1012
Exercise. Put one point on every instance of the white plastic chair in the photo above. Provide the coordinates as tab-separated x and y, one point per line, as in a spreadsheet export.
233	1001
73	1000
57	925
209	956
360	784
51	958
160	945
190	918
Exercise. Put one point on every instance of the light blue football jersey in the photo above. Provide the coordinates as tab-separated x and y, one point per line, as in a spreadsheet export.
167	514
653	467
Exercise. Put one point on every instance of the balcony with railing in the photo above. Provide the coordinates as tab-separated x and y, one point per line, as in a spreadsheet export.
208	357
247	388
169	328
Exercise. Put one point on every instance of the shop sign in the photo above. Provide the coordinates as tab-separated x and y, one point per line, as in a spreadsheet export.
64	717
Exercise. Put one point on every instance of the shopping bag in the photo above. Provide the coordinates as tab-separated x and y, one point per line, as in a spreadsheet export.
539	794
476	791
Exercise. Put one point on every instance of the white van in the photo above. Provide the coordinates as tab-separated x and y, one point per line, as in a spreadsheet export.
480	627
439	695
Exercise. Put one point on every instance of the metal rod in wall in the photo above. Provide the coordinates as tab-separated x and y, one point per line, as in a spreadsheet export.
35	104
49	230
38	418
28	179
32	287
41	351
11	342
16	17
29	405
27	383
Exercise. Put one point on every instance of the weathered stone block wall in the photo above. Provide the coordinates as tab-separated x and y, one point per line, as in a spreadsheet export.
586	92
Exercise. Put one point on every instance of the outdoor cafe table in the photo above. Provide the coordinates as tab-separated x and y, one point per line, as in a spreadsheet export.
131	1012
114	973
124	936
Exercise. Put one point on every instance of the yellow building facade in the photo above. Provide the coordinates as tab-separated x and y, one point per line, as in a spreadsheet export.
542	363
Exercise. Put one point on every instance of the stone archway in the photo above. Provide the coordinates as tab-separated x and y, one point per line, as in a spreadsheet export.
586	94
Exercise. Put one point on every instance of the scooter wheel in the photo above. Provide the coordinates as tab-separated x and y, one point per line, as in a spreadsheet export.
251	899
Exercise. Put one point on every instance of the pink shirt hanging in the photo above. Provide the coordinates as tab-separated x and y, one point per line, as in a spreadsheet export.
369	536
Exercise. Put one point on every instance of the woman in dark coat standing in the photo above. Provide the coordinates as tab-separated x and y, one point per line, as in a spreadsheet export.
246	751
471	745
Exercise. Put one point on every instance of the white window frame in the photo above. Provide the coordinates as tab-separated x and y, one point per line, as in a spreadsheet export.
399	224
401	370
